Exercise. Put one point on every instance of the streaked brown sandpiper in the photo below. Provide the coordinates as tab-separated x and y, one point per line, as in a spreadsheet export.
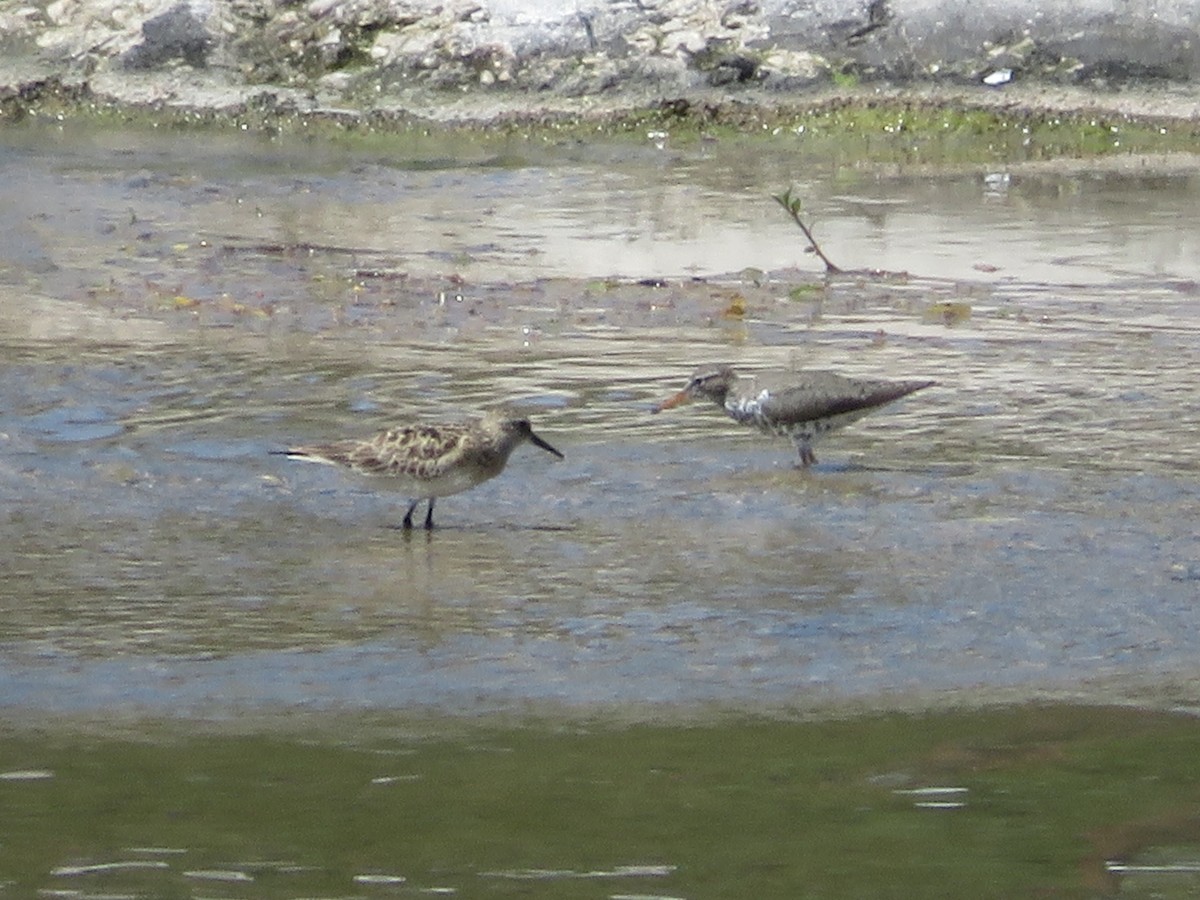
802	406
427	461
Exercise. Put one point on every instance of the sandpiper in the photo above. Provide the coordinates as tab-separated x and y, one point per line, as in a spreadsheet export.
432	460
804	407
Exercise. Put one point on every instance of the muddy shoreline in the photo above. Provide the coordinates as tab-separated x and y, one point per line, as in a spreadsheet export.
184	99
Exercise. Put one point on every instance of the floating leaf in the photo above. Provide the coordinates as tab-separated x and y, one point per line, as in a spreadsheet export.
804	291
948	312
736	308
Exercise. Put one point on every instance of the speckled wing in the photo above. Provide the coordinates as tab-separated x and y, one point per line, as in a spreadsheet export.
419	452
413	451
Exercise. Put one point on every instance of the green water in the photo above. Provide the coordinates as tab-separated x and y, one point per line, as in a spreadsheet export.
1029	801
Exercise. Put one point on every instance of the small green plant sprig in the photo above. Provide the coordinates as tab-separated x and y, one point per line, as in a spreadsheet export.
792	205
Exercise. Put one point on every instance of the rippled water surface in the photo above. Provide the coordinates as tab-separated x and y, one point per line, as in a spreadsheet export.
173	312
172	308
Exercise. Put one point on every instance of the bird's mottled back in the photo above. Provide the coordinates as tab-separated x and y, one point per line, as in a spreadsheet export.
414	451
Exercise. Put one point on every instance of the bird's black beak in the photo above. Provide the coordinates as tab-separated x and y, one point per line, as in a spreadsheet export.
538	442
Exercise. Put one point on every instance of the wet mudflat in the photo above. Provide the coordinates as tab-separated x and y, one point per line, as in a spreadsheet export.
172	308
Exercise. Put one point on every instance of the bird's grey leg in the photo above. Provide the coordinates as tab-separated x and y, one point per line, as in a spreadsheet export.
807	457
429	514
408	515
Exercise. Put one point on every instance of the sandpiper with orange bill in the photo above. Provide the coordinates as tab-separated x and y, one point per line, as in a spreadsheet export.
803	406
427	461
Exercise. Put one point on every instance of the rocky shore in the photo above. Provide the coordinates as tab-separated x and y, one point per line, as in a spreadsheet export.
483	60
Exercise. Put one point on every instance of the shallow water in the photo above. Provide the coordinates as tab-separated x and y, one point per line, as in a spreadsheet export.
172	307
1010	803
171	312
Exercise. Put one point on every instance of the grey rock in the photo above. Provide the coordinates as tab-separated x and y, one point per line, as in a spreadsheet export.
350	50
174	35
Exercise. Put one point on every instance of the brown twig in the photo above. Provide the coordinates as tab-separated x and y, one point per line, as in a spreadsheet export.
792	205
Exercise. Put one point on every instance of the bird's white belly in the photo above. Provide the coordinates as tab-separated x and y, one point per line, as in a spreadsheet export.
453	481
748	411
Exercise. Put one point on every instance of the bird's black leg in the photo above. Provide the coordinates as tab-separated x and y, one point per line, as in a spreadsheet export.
429	514
807	457
408	515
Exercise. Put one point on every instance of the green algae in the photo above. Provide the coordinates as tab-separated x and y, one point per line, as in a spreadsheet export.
847	128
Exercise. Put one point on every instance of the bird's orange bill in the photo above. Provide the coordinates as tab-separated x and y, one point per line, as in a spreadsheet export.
538	442
672	402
